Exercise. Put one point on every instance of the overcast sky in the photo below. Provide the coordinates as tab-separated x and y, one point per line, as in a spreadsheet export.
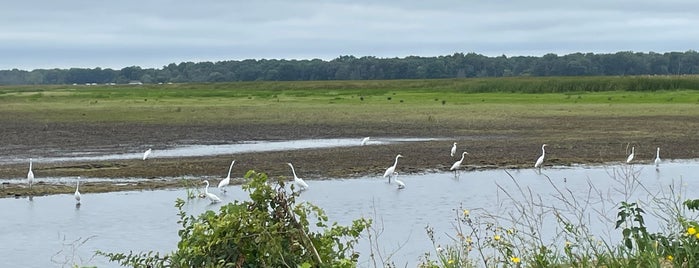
153	33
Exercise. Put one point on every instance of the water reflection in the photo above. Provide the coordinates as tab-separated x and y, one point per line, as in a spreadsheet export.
36	232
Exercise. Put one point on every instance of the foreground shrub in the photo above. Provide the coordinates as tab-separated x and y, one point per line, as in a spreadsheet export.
269	230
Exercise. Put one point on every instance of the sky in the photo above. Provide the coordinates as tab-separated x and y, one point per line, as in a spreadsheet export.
45	34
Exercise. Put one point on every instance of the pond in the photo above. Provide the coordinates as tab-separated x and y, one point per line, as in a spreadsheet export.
52	231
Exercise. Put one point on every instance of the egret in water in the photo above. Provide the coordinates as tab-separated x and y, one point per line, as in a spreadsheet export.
453	150
657	159
457	164
400	183
227	180
365	140
391	169
302	184
628	159
541	158
212	197
77	192
30	174
146	153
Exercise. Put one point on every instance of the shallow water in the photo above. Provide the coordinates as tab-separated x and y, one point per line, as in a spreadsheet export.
209	150
41	232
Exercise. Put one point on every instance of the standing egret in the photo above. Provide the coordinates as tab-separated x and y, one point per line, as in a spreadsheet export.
453	150
146	153
457	164
30	174
227	180
212	197
302	184
657	159
400	183
364	141
391	169
541	158
628	159
77	192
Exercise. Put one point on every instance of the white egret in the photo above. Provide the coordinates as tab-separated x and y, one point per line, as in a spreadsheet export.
391	169
541	158
227	180
77	192
302	184
657	158
453	150
364	141
147	153
400	183
457	164
212	197
628	159
30	174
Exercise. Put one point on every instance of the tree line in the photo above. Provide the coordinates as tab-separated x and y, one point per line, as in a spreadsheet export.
458	65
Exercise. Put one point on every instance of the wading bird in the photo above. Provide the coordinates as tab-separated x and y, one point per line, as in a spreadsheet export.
77	192
400	183
453	150
212	197
541	158
227	180
657	159
364	141
302	184
457	164
30	174
146	153
630	158
391	169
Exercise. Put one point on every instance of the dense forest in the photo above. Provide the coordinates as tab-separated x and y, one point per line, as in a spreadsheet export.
457	65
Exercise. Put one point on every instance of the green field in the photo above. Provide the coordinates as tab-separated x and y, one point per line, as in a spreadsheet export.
371	101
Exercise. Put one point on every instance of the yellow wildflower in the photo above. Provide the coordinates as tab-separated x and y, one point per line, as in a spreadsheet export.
568	243
691	231
510	231
469	240
515	259
450	261
466	212
669	257
697	235
496	237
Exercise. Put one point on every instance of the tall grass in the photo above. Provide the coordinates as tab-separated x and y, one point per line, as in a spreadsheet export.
532	231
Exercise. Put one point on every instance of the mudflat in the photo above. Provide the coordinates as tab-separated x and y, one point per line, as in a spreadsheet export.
514	142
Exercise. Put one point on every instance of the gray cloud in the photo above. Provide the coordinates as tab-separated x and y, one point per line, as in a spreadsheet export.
115	34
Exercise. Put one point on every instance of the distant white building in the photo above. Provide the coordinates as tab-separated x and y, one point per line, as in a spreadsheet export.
135	82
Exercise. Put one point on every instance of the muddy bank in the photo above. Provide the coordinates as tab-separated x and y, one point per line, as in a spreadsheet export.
571	140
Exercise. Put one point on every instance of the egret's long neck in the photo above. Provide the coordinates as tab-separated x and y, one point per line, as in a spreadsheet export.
657	153
396	163
543	150
207	187
462	157
229	169
77	186
293	171
30	164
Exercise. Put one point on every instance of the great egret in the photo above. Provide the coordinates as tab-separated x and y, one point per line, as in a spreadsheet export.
364	141
30	174
77	192
628	159
146	153
227	180
453	150
541	158
302	184
457	164
400	183
391	169
212	197
657	158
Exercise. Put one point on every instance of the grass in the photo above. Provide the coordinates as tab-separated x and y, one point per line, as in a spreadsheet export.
338	101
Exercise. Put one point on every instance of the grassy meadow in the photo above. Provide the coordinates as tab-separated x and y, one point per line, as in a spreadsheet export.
444	100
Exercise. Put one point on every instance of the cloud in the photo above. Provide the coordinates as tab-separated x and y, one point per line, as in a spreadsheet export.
116	34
